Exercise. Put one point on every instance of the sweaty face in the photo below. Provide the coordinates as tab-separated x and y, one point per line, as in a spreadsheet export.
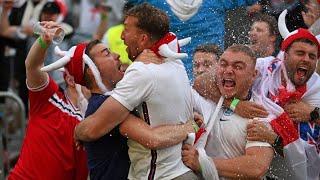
108	64
300	62
203	62
131	36
235	74
259	36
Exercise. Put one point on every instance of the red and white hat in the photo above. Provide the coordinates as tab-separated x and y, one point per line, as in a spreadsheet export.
74	61
169	46
289	37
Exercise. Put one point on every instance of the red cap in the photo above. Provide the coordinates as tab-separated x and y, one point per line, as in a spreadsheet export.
76	66
299	34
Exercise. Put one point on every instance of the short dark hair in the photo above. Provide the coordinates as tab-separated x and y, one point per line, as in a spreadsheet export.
244	49
127	6
89	46
209	48
51	8
151	20
305	40
270	20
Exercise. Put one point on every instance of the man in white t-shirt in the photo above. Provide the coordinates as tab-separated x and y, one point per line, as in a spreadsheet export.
228	154
161	94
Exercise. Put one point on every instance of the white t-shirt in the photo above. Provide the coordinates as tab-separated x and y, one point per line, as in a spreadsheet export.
227	139
166	92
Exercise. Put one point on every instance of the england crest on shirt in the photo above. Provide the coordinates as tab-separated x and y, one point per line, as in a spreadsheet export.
228	112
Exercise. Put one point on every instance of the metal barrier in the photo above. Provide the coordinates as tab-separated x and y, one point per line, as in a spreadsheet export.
4	131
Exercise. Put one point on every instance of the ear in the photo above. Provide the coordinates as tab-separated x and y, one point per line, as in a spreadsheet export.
273	38
89	72
285	54
254	75
145	39
70	81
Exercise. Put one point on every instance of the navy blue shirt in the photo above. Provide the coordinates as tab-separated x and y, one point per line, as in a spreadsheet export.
108	156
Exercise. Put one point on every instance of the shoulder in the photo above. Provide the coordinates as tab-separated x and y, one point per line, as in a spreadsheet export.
139	69
96	98
47	89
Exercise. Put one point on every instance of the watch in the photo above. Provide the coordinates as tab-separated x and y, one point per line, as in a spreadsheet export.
314	115
278	142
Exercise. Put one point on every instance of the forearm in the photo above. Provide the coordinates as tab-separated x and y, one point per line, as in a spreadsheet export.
36	56
167	136
207	87
34	62
101	29
6	30
245	167
84	130
110	114
154	138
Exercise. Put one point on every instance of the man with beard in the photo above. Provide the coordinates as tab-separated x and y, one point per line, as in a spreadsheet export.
161	93
294	85
99	70
199	19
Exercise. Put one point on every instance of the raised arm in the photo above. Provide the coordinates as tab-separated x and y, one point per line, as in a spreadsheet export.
103	22
6	29
36	57
157	137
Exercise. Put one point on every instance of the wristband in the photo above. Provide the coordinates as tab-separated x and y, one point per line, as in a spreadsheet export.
195	126
42	44
234	104
199	170
104	17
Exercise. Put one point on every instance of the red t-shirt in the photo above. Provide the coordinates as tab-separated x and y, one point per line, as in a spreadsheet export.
48	150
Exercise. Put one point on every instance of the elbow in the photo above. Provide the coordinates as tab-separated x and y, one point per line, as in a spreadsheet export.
87	134
151	145
259	171
90	135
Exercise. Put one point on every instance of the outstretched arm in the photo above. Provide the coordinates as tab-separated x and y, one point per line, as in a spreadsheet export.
207	87
253	165
155	137
108	116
